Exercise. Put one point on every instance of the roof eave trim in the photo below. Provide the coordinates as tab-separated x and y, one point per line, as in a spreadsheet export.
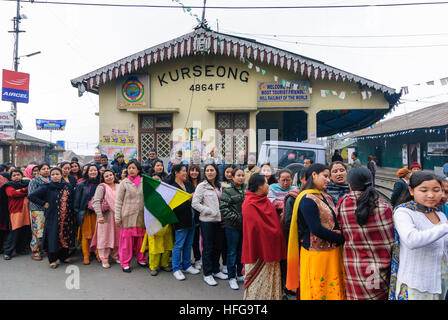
203	41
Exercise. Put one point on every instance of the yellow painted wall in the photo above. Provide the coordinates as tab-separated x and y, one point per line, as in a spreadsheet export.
236	95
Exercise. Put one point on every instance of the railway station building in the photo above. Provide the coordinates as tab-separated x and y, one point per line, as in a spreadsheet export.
206	89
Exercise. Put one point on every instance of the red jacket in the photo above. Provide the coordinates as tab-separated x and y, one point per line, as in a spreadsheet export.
16	198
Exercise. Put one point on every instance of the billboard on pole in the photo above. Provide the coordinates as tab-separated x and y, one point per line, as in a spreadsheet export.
15	86
42	124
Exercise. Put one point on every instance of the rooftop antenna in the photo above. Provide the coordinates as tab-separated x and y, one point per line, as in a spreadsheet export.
203	11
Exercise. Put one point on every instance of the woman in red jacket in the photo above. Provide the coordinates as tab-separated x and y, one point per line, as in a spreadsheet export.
20	235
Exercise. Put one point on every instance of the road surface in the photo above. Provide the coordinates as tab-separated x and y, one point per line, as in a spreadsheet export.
23	278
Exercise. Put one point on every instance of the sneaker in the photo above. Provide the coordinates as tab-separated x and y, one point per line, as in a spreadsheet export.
117	261
224	269
240	278
233	284
154	272
179	275
127	269
106	265
220	275
210	280
143	265
192	270
198	264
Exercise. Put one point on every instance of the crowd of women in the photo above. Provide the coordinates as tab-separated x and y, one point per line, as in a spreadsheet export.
323	234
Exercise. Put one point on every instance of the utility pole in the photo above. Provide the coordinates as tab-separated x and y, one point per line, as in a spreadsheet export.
16	67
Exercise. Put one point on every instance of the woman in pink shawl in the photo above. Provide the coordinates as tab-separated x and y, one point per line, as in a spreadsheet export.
30	173
107	235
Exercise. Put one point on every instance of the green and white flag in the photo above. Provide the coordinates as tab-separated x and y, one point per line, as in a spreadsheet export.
160	199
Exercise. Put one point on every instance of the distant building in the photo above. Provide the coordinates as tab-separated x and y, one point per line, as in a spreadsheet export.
30	149
420	136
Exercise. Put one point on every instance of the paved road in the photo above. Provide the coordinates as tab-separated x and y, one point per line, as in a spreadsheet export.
24	278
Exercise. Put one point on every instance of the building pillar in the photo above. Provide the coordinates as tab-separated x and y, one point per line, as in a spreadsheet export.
311	126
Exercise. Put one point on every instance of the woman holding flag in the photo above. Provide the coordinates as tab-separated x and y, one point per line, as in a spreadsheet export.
185	227
158	245
315	238
129	216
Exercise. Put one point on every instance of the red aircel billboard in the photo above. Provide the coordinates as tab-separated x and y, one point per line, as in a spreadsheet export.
15	86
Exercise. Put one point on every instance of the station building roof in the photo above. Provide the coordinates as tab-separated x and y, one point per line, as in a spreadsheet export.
329	123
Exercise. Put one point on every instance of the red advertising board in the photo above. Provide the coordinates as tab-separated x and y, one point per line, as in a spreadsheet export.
15	86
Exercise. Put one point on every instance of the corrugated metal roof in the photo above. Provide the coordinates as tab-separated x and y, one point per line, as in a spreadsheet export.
429	117
24	137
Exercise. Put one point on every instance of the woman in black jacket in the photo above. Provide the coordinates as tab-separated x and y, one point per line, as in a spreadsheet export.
59	229
184	233
85	214
232	199
400	185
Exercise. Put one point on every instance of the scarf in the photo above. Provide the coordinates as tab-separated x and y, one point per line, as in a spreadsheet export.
17	185
337	191
109	196
292	276
262	233
135	180
396	253
279	193
91	188
29	171
56	185
43	179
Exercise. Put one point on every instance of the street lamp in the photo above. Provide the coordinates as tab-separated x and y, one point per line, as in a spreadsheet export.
30	55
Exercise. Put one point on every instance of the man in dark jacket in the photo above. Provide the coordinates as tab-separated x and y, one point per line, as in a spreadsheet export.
336	156
119	165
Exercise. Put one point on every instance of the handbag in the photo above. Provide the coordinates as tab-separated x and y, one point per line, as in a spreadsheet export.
105	207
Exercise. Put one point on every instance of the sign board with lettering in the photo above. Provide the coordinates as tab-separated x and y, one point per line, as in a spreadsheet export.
437	149
110	145
133	92
6	125
15	86
274	94
42	124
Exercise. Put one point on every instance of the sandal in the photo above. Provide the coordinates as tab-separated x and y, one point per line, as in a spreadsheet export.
6	257
68	260
98	259
53	265
36	257
86	261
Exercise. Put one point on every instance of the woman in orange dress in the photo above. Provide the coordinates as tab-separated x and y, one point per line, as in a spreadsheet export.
315	240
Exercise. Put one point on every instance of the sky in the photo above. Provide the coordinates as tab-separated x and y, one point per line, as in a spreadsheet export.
75	40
